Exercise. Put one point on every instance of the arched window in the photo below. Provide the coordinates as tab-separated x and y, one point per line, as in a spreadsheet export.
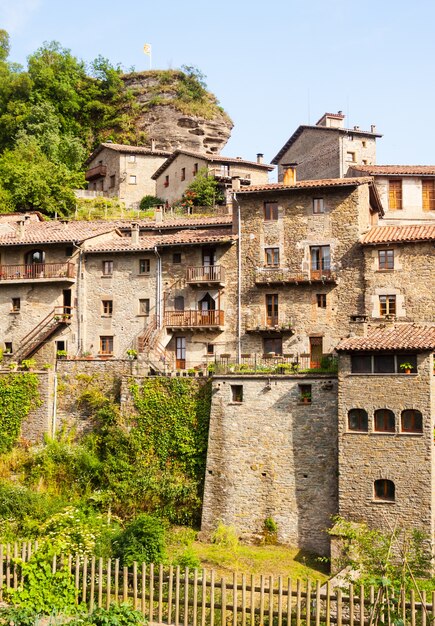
384	421
384	490
35	256
357	419
411	421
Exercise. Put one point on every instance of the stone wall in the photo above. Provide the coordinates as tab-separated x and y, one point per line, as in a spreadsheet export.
272	456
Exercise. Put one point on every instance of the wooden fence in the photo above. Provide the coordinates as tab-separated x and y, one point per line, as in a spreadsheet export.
181	597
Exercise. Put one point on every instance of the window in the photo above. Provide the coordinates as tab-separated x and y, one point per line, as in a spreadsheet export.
183	173
361	364
384	364
144	266
195	169
394	194
107	268
428	191
35	257
179	303
271	257
8	347
112	181
144	306
350	157
364	144
106	345
387	305
357	419
272	309
386	259
384	490
131	158
320	258
321	300
318	205
272	345
16	304
385	421
270	211
107	307
305	394
166	183
69	251
381	363
411	421
210	349
132	179
237	393
176	257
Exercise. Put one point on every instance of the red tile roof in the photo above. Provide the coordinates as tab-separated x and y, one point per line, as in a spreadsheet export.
119	147
147	243
395	170
169	224
337	116
308	184
54	232
392	234
397	337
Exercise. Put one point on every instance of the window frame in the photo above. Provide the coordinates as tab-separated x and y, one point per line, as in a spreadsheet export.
416	421
384	421
428	194
272	309
144	266
132	179
275	342
371	368
270	211
387	305
15	304
144	307
236	394
176	258
384	490
106	344
321	300
107	267
183	174
318	206
362	420
395	194
271	257
107	307
386	259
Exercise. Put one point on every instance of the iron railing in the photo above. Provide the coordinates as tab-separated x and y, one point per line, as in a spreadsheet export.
35	271
193	317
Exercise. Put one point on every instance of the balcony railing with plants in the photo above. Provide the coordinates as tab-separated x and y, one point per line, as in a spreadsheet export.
98	171
205	274
284	364
193	318
35	271
277	275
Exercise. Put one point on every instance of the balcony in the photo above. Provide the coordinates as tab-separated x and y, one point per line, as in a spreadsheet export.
225	175
194	319
287	276
205	275
271	326
43	272
98	171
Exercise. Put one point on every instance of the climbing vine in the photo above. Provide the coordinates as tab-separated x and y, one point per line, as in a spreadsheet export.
18	394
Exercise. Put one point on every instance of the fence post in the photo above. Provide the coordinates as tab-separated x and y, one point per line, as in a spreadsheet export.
92	591
223	602
177	596
186	596
212	598
151	599
195	597
125	584
143	589
109	583
243	600
203	596
134	585
85	576
100	582
235	599
116	580
170	588
271	600
160	607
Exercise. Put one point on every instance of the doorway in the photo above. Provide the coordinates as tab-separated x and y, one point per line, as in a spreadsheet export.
67	300
180	353
316	351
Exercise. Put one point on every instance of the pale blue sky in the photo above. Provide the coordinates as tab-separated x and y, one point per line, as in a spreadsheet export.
272	65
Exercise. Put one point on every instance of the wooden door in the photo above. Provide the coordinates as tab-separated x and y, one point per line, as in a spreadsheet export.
316	351
180	353
272	309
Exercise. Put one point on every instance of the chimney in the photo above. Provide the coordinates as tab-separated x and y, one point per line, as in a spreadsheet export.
289	175
153	145
356	128
158	213
260	157
373	128
20	230
134	234
235	183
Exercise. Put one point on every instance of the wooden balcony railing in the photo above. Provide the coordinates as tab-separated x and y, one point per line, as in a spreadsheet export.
96	172
193	318
35	271
205	274
281	275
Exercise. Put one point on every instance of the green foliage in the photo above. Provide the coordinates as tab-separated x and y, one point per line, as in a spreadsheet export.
149	202
18	394
270	531
116	615
202	191
143	541
17	616
225	536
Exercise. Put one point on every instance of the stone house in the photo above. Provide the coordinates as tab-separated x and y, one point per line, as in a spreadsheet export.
327	149
124	172
407	192
179	170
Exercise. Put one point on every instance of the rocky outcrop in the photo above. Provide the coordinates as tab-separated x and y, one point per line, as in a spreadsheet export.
173	121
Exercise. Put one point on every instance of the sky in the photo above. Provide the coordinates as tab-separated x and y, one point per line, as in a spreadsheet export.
271	65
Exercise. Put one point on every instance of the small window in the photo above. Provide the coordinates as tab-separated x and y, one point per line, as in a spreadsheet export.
270	211
411	421
237	393
386	259
385	421
387	305
195	169
384	490
106	345
144	306
384	364
16	304
321	300
183	173
271	257
112	181
361	364
107	306
179	303
107	268
394	195
132	179
69	251
305	394
131	158
357	419
210	349
272	345
350	157
144	266
176	257
8	347
320	259
166	183
364	144
318	205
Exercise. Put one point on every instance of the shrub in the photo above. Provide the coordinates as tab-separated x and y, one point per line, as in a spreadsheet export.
148	202
225	536
116	615
143	540
270	531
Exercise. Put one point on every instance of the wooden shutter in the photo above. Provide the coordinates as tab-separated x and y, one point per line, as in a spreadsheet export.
395	194
428	190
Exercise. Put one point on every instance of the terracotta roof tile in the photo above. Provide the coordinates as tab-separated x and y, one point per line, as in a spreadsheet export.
392	234
54	232
397	337
308	184
118	147
210	158
396	170
181	222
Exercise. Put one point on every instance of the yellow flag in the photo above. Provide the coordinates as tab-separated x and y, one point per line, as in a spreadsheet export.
147	49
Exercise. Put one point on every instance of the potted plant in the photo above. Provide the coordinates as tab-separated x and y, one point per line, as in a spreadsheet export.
306	397
132	354
61	354
191	372
28	364
406	367
87	355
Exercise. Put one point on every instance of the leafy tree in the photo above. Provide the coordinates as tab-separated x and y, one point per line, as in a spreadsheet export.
202	191
148	202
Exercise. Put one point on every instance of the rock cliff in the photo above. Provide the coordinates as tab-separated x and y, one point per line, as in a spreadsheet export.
176	110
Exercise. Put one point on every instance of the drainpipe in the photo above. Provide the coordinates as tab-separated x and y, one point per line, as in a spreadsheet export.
158	287
239	278
78	308
54	416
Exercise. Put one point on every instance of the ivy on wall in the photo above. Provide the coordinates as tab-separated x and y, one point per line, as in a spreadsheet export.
18	394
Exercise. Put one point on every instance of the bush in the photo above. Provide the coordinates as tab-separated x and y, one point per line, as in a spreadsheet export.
143	541
116	615
148	202
225	536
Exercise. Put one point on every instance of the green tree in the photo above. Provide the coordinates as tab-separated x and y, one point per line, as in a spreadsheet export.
202	191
